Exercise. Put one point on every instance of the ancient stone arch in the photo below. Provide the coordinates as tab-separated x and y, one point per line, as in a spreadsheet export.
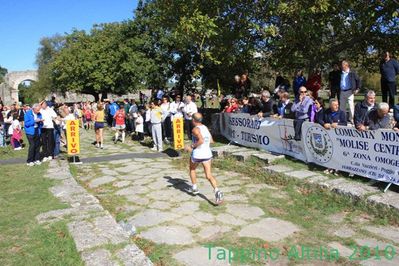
9	88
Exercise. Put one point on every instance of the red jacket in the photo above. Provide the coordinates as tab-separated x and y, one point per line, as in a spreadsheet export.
314	83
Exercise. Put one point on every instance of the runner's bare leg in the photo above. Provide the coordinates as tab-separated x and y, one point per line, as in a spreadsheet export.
208	174
193	174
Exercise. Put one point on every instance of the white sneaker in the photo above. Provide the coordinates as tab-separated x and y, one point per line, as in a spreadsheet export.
18	149
30	164
38	162
154	149
44	160
49	158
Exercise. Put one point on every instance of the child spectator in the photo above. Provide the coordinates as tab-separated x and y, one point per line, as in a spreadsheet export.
88	115
140	125
16	133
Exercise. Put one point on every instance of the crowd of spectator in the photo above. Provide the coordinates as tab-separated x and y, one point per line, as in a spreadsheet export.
44	123
306	105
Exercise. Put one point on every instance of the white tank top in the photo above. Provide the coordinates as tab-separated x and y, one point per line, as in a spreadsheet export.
203	151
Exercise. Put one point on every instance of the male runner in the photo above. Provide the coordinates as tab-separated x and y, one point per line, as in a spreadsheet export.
120	125
201	154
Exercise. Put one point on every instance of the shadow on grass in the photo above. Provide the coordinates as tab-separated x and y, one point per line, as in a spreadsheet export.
183	186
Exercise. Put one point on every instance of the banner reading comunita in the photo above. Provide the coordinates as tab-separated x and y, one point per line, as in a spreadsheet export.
372	154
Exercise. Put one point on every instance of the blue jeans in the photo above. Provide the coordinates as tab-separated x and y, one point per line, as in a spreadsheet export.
2	142
57	141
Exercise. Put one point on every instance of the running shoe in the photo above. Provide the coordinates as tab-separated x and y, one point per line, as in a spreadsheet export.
194	191
30	164
38	162
219	197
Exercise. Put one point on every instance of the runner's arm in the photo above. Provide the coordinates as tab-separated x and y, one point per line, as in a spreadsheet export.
198	136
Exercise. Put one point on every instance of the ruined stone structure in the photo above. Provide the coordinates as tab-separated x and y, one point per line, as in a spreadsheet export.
9	88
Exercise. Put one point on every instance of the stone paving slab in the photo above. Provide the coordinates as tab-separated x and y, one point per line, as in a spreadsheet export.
101	181
98	257
229	219
121	184
391	233
220	151
245	212
344	252
301	174
212	231
242	156
269	229
382	262
372	243
189	221
85	236
389	199
131	256
152	217
344	232
277	169
199	256
171	235
316	179
267	158
204	216
132	190
351	189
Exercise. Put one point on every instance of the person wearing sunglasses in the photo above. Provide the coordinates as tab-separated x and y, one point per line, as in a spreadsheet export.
232	106
302	108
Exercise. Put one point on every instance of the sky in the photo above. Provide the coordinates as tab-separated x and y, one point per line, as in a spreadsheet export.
24	22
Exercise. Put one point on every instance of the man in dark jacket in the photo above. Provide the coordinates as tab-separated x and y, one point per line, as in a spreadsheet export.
334	117
389	68
334	79
349	85
267	105
363	108
379	118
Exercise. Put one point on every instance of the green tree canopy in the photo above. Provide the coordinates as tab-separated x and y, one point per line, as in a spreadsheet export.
214	40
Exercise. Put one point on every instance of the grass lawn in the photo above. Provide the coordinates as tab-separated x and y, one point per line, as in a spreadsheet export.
23	195
9	153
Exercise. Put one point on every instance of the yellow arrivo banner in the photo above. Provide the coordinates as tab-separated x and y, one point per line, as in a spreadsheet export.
178	133
73	139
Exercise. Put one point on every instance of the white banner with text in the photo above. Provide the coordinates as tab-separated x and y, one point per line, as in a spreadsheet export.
372	154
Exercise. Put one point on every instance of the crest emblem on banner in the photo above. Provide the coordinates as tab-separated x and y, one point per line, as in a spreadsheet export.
319	144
